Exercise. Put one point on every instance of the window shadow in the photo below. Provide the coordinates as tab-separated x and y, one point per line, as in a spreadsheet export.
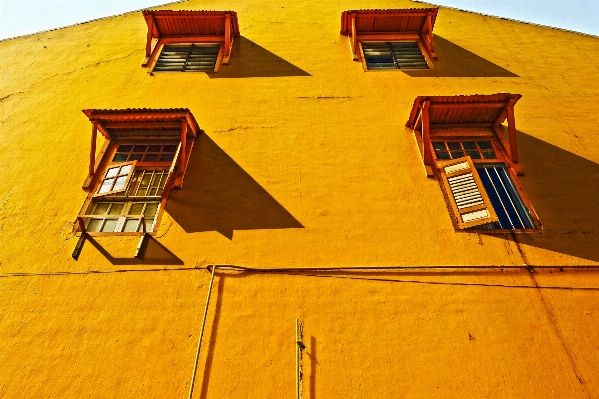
151	253
563	190
249	60
455	62
218	195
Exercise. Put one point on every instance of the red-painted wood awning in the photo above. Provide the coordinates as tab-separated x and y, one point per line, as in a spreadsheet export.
190	26
474	109
141	123
463	112
390	24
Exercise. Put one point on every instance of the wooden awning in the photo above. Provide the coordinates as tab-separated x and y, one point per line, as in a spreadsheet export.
395	24
474	111
190	27
141	123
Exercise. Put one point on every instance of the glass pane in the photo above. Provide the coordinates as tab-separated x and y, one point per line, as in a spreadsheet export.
439	145
473	154
167	157
101	208
442	155
125	170
140	148
151	209
154	148
146	180
141	192
124	148
120	183
162	179
109	225
457	154
151	158
136	157
152	192
112	172
116	208
119	158
469	145
454	145
169	148
94	225
131	225
106	186
489	154
148	224
485	145
136	208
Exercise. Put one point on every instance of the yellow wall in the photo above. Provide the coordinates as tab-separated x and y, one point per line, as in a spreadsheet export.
305	163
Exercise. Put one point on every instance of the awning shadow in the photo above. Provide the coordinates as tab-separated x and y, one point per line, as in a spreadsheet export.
563	190
151	253
218	195
249	60
455	61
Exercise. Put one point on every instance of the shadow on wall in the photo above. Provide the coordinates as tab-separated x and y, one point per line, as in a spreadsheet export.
218	195
455	61
249	60
562	188
151	253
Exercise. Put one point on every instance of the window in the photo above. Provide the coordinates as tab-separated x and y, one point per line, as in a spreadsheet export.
462	143
144	156
391	39
189	41
393	55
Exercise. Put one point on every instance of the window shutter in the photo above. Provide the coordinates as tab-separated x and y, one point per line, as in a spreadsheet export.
116	178
393	55
188	58
465	193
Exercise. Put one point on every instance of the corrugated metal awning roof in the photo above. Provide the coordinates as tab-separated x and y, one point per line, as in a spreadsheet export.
189	23
144	115
467	109
408	20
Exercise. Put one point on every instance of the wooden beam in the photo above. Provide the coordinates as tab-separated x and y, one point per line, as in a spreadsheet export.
354	41
496	104
101	117
426	136
189	16
183	147
174	124
92	152
192	39
511	126
431	45
149	37
227	39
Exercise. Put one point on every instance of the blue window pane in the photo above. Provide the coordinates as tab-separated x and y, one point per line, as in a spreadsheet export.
506	200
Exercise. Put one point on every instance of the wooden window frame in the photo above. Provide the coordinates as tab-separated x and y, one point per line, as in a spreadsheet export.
393	39
189	41
371	30
141	127
502	158
119	165
178	30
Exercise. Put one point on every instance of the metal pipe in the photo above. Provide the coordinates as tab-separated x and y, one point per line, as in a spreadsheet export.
195	367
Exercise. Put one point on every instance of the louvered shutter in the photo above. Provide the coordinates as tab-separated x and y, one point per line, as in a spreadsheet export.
188	58
393	55
466	194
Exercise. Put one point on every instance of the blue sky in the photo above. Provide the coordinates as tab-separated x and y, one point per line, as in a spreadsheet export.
22	17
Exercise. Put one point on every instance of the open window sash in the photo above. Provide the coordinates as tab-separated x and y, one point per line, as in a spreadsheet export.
116	179
465	193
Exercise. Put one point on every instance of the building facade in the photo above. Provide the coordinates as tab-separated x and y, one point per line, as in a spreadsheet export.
308	197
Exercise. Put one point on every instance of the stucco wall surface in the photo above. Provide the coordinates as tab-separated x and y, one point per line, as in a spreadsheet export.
305	162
